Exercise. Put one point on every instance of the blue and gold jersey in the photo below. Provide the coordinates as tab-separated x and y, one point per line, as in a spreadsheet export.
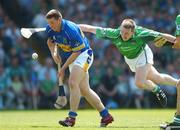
69	39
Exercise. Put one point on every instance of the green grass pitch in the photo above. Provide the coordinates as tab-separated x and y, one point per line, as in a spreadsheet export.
126	119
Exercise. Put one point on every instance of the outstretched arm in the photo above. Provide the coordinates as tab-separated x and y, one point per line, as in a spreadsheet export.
172	39
88	28
163	39
169	37
100	32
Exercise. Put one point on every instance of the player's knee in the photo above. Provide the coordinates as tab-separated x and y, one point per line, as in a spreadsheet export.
140	84
72	84
84	92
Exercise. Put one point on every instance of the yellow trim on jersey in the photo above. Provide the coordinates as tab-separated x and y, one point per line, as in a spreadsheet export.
86	67
65	47
78	48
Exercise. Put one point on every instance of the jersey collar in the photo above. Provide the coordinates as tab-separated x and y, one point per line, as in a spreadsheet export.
62	24
121	37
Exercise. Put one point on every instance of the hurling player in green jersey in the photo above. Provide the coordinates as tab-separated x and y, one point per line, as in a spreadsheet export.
132	42
175	124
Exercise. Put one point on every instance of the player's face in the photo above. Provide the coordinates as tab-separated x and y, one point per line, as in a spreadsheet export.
126	34
54	24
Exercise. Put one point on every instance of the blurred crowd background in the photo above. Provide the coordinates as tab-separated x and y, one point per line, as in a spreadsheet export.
32	84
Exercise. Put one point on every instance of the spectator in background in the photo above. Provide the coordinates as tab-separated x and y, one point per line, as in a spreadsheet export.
39	21
107	90
48	91
96	74
4	84
171	91
123	91
25	53
34	86
2	54
137	95
18	90
48	67
16	69
32	90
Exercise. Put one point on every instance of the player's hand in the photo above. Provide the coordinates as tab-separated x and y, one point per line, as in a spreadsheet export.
61	73
159	41
57	59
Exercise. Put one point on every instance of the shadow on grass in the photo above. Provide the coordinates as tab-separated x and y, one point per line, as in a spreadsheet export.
133	126
40	126
113	127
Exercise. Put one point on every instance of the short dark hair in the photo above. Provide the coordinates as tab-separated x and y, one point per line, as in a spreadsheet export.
53	14
129	24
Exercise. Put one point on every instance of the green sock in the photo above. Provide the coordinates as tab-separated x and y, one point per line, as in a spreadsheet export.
177	119
156	89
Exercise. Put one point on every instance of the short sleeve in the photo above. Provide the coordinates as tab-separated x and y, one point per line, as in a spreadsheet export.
77	39
147	32
107	33
78	44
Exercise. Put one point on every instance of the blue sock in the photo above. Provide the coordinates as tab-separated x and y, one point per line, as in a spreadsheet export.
72	114
104	112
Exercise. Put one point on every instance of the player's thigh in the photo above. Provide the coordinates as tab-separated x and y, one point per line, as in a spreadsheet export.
142	72
84	85
154	75
76	75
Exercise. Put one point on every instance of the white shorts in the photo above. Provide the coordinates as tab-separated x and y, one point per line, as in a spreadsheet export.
84	60
145	57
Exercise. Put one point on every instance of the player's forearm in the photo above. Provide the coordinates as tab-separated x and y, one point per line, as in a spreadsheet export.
51	47
54	52
70	59
169	37
88	28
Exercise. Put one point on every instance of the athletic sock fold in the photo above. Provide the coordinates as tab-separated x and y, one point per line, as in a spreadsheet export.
156	89
104	113
177	119
72	114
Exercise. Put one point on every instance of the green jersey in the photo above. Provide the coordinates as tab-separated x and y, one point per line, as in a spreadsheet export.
178	25
134	46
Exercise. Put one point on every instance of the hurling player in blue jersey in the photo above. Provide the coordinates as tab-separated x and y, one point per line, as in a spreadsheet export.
75	46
